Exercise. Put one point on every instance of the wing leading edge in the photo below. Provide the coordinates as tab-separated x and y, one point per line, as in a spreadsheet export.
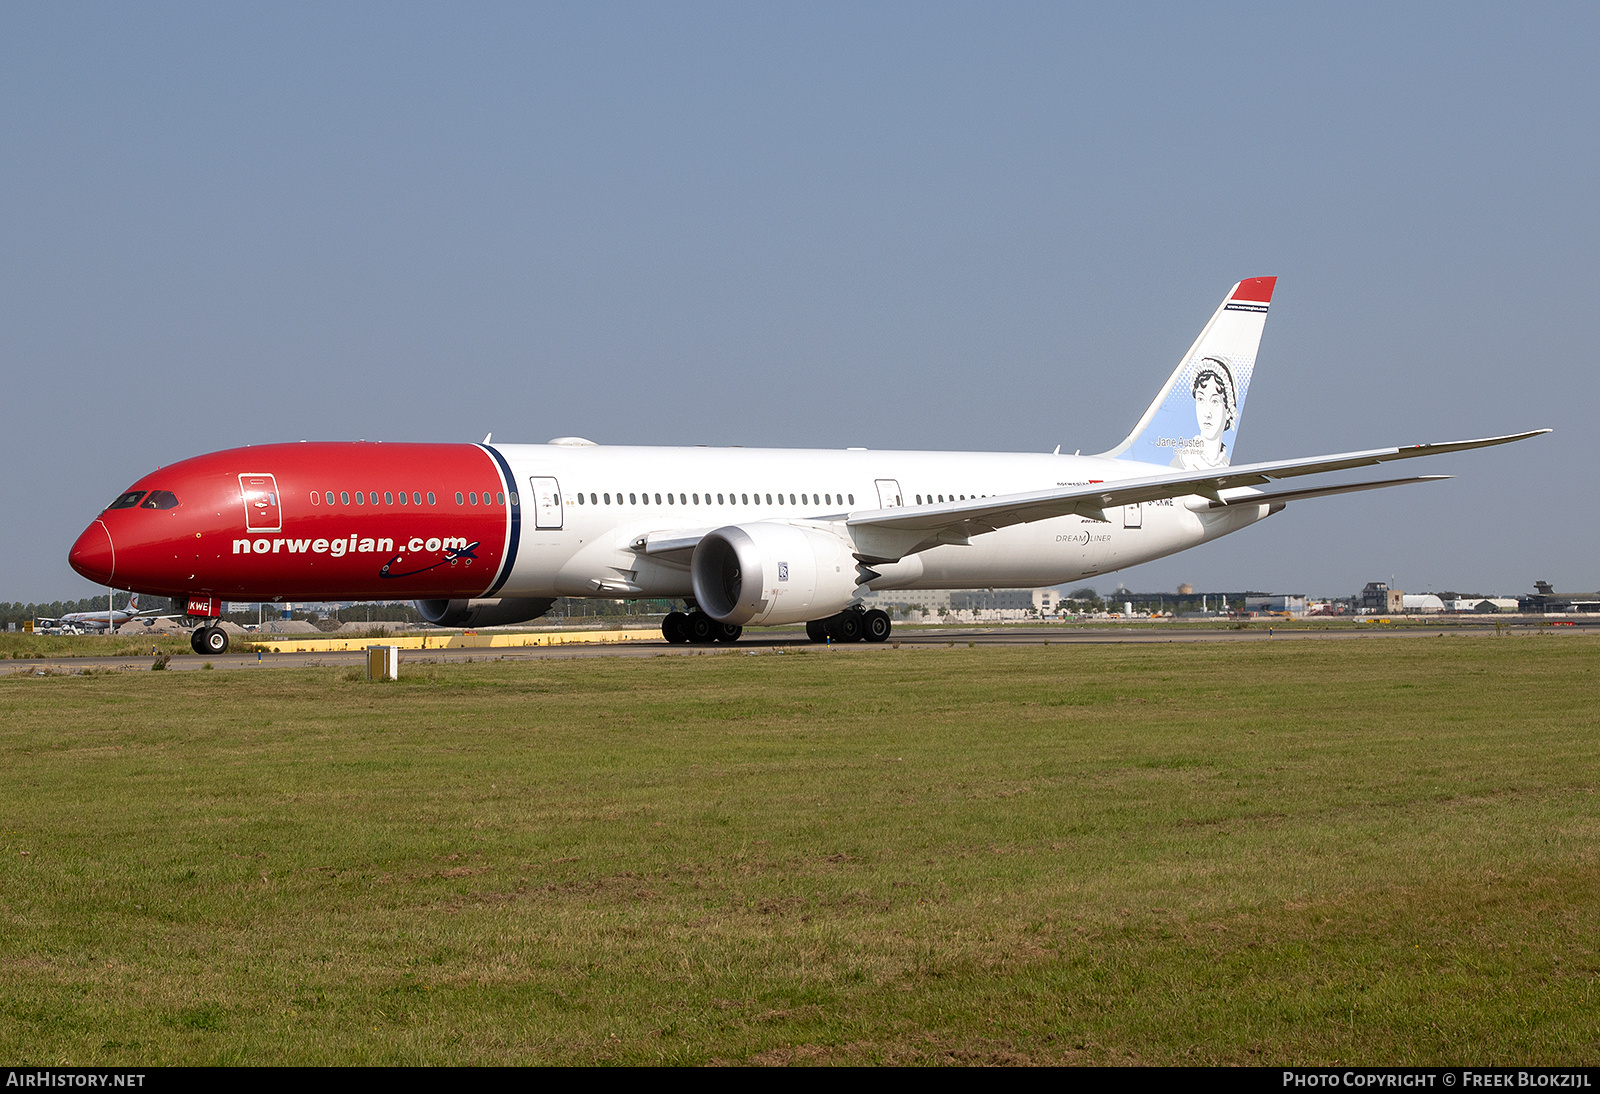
884	535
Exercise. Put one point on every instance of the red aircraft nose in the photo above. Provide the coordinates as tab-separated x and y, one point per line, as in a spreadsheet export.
93	556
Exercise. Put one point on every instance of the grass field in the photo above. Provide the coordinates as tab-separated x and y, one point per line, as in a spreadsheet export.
1380	851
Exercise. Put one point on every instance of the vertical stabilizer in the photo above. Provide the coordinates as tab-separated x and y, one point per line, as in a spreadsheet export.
1193	422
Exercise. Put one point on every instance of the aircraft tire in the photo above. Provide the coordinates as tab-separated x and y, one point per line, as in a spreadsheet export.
728	632
675	628
214	640
875	625
845	627
196	640
817	630
702	629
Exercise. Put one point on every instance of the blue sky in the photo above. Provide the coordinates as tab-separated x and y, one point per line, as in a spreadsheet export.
900	226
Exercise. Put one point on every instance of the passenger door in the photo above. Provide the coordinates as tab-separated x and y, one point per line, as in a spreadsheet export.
546	502
262	511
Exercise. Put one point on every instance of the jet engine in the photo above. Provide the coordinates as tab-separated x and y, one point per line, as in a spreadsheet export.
770	572
497	612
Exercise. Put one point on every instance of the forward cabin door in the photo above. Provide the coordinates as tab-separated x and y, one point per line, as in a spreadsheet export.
889	494
546	503
262	511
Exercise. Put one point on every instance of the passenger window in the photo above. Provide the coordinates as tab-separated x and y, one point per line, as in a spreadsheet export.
344	497
460	500
160	499
658	499
719	499
361	499
580	497
607	497
430	498
402	497
316	498
416	498
499	498
514	501
593	500
633	499
127	501
852	499
388	498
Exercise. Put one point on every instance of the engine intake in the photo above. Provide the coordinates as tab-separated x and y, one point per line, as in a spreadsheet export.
770	572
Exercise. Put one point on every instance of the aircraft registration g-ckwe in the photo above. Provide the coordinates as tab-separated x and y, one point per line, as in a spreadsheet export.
743	536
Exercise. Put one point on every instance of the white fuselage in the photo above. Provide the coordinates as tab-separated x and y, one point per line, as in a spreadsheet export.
610	497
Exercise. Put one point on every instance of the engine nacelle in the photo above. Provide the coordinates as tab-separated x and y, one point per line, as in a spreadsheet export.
769	572
498	612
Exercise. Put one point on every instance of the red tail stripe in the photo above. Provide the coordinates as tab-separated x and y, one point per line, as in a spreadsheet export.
1256	289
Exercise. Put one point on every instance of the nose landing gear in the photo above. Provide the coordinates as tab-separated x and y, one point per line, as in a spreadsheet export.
209	640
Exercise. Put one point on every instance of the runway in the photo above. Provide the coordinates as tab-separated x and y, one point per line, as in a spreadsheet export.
793	640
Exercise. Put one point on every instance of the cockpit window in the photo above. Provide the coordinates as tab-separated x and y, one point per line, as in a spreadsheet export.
160	499
128	500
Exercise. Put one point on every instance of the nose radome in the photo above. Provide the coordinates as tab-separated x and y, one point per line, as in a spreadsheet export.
93	556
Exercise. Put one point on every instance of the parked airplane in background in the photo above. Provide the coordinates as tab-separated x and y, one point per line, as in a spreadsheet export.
744	536
100	621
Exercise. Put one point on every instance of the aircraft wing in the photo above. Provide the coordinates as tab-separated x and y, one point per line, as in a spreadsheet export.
888	534
673	545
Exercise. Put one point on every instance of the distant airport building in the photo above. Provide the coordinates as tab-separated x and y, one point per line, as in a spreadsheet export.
1420	603
1547	601
1378	599
1037	600
1480	604
918	600
1278	603
936	601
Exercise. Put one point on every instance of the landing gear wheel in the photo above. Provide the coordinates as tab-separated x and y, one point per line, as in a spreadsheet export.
728	632
196	639
702	629
845	627
875	625
675	628
817	630
213	640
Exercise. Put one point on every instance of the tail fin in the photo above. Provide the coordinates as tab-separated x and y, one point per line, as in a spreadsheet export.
1193	422
133	603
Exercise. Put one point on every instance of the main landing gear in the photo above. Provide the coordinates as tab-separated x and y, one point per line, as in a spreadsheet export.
851	625
698	628
209	640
